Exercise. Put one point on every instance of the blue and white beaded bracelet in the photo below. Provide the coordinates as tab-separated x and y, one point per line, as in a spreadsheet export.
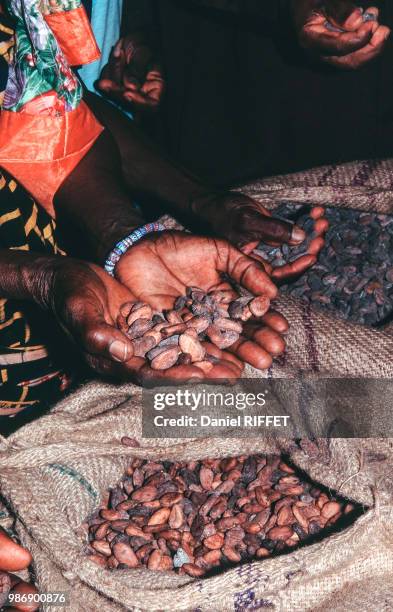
125	244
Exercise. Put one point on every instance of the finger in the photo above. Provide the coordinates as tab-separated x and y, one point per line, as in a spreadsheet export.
256	226
367	54
214	351
23	597
110	87
276	321
13	558
251	353
247	273
148	377
321	226
223	370
267	338
117	49
296	268
153	90
104	340
139	100
338	44
95	335
316	245
317	212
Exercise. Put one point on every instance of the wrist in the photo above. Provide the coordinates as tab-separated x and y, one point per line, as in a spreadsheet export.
118	251
115	232
204	206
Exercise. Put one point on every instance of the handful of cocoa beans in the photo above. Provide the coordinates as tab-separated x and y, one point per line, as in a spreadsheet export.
175	337
196	516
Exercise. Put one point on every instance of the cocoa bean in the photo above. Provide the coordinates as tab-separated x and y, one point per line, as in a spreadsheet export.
206	476
231	554
184	359
139	310
176	517
280	533
102	547
169	499
222	339
125	555
227	523
199	323
173	317
144	494
193	570
139	328
134	531
144	345
166	359
154	561
259	306
330	509
228	325
215	541
174	330
192	346
160	517
205	366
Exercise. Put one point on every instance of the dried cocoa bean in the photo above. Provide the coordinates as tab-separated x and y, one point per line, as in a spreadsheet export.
125	555
166	359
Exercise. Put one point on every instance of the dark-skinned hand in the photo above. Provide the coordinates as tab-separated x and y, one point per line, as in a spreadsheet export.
14	558
133	76
160	267
86	301
245	223
355	42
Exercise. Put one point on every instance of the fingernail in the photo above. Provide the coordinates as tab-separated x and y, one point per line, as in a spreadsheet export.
118	350
298	235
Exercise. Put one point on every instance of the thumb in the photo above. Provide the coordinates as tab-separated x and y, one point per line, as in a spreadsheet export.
104	340
271	229
248	273
100	338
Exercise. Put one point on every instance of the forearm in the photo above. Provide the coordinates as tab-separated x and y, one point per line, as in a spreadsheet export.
146	169
27	276
95	201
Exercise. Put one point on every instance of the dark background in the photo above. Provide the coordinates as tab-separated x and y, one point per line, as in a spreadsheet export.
243	100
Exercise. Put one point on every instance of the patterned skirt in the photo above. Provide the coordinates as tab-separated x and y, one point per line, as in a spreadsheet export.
30	379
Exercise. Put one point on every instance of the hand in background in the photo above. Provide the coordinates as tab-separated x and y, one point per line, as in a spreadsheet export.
133	76
245	222
339	33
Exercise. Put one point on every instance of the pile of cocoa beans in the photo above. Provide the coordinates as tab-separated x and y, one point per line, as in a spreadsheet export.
175	337
198	516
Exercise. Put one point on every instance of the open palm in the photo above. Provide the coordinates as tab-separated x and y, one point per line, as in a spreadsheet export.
159	268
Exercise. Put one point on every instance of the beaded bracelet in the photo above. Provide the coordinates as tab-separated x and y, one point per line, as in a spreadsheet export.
125	244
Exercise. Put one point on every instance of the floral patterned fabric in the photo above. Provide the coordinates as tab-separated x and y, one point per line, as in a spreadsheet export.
40	79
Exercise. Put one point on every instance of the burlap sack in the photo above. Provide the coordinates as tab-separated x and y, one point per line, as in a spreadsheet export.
54	471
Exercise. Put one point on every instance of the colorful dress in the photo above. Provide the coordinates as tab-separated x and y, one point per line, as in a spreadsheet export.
31	378
45	127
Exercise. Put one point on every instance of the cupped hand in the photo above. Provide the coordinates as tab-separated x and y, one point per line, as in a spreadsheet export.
133	76
159	268
337	33
245	222
290	271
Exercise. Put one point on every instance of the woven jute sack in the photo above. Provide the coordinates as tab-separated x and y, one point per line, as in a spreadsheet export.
54	472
